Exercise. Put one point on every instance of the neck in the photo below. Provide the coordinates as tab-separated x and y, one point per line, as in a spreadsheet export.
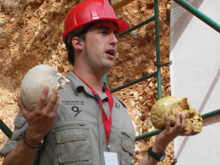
94	81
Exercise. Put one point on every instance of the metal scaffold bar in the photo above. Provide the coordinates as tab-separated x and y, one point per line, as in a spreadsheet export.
211	114
134	82
149	134
198	14
204	116
158	48
5	129
138	26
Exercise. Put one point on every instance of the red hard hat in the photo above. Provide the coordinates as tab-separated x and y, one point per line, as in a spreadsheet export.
89	11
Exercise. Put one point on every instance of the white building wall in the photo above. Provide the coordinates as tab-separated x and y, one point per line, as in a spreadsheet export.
195	73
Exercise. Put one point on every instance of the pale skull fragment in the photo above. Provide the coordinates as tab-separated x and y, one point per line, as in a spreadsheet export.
170	105
35	80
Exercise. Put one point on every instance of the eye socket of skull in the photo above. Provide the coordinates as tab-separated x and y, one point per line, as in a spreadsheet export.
35	80
170	105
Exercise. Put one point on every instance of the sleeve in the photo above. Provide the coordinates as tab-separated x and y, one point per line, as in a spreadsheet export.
20	127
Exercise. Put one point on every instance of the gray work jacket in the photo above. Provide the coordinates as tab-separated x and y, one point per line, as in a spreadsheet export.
78	136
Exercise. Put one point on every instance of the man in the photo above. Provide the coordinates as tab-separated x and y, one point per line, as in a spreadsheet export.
86	125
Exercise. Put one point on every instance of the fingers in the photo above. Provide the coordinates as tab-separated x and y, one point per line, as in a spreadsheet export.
53	102
43	98
171	133
191	131
167	120
21	106
180	119
55	107
181	124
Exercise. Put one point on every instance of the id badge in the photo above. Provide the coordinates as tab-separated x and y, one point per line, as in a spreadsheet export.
111	158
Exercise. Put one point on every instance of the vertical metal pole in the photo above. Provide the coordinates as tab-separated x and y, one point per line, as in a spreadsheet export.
158	48
106	78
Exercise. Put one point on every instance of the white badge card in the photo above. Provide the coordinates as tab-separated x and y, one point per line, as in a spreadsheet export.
111	158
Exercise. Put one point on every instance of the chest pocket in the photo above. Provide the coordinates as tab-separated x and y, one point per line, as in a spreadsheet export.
73	143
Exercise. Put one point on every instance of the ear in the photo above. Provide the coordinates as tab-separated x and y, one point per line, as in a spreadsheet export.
77	43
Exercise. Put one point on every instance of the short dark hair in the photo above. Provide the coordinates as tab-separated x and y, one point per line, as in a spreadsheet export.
76	33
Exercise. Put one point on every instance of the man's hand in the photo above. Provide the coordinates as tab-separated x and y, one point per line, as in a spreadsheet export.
167	135
41	119
170	133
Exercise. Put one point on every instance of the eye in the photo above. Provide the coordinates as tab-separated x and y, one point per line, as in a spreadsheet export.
104	32
116	34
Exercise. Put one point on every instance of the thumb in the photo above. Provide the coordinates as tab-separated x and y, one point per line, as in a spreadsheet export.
21	106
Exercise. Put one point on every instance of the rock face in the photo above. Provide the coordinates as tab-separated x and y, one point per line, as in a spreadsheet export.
31	34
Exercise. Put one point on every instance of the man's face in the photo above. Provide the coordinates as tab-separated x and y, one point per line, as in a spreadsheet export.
101	46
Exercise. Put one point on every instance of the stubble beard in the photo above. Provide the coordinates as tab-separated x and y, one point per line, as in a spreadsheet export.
106	69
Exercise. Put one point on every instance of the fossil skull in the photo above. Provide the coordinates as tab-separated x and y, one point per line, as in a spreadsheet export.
170	105
35	80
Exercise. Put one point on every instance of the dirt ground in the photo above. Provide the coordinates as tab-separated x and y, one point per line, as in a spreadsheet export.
31	34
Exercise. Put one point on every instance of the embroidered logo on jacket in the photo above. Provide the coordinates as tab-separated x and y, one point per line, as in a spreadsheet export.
76	110
72	102
75	105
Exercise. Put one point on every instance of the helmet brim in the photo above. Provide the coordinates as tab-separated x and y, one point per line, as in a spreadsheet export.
121	24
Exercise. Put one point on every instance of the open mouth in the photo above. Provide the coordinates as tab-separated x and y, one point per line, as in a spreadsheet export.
111	52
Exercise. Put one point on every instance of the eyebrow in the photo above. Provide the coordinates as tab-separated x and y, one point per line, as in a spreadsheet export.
107	28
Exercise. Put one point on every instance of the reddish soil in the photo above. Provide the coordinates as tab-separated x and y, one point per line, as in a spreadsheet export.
31	34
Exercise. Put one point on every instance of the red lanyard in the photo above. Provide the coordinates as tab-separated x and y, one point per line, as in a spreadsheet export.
107	122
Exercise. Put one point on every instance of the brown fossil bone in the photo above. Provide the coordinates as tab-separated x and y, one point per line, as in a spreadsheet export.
170	105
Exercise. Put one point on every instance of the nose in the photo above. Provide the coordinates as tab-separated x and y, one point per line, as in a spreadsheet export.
113	39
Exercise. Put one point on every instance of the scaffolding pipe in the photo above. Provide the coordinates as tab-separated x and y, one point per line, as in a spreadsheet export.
149	134
204	116
210	114
134	82
137	26
158	49
198	14
5	129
